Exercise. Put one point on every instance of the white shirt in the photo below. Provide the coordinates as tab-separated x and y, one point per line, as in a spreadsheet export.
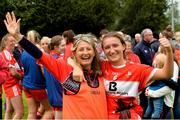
166	91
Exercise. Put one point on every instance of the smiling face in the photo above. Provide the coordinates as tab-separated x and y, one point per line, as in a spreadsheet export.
114	50
10	43
44	44
84	54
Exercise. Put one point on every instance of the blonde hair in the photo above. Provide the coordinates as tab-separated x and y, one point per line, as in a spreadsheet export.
4	39
88	38
33	36
46	38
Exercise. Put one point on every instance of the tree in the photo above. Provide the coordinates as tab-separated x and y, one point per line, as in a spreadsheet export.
50	17
139	14
176	16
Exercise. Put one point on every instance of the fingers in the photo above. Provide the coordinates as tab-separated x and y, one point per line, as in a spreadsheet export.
13	17
5	22
164	42
8	18
18	23
81	78
77	77
166	45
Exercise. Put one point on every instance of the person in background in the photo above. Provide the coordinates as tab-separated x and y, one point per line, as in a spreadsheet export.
4	74
155	42
99	41
155	105
57	47
12	86
130	56
138	38
143	49
68	36
44	43
53	86
146	54
34	83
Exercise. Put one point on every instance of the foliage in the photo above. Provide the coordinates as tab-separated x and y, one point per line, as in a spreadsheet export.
139	14
50	17
176	16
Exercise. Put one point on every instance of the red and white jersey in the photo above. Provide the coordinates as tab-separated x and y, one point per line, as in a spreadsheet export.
8	57
124	82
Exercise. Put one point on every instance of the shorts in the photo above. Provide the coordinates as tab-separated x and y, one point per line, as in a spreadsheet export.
13	91
38	95
57	108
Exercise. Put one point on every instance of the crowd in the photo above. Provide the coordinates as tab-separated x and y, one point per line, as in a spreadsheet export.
80	76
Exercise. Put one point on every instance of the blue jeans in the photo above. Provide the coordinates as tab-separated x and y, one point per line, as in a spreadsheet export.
155	108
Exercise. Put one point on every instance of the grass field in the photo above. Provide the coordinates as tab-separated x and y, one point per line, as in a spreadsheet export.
24	103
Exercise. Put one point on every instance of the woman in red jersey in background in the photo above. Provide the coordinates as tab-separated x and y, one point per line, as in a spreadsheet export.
68	36
4	74
12	87
130	55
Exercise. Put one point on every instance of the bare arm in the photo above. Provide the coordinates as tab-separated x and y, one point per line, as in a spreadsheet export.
167	71
13	26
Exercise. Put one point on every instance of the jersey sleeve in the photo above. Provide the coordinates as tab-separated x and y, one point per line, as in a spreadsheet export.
147	72
4	71
58	68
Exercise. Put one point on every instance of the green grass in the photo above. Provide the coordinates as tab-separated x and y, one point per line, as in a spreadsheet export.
24	103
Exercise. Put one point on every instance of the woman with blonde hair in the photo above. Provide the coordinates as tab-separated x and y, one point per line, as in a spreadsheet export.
85	100
34	83
12	87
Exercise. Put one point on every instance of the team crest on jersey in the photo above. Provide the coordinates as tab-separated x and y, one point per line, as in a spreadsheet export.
129	73
115	75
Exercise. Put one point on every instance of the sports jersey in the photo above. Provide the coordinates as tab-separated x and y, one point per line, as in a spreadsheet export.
11	80
33	78
53	86
54	54
124	84
80	100
133	57
68	51
4	72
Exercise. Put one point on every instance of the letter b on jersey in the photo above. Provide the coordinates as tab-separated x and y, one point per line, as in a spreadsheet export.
112	86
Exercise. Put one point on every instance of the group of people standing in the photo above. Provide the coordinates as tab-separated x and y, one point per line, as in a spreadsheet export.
85	85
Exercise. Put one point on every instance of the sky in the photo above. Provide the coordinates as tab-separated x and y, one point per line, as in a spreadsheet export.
178	2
